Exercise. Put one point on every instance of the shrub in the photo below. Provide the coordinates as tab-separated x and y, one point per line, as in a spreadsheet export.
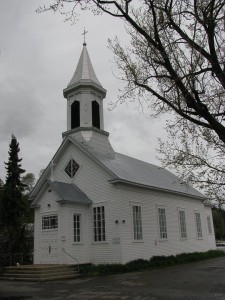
137	264
142	264
88	270
157	261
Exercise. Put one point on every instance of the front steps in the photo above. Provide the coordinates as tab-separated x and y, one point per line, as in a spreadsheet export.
40	272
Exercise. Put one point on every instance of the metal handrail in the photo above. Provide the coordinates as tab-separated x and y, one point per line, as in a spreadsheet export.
72	258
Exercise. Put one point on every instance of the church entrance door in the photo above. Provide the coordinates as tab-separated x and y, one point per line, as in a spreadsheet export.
49	249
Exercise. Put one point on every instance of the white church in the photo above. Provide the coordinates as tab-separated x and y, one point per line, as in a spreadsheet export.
94	205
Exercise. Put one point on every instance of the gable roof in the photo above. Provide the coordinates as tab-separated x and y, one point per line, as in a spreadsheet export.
136	172
123	169
69	193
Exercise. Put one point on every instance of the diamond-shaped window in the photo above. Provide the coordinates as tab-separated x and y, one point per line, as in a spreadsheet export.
71	168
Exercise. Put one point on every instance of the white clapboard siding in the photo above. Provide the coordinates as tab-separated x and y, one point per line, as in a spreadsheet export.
48	206
79	251
93	180
211	236
151	244
117	199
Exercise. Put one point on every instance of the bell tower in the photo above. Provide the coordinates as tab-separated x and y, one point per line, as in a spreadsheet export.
84	95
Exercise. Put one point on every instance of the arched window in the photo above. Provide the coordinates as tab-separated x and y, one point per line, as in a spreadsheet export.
75	114
95	114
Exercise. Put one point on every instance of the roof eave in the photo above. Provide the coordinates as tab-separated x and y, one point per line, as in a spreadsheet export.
41	181
208	204
73	202
35	206
123	181
78	129
83	83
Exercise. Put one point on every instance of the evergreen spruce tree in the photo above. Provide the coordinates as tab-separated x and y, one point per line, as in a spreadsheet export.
1	195
12	205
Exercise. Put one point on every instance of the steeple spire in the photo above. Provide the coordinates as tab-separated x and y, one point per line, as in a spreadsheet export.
84	74
84	95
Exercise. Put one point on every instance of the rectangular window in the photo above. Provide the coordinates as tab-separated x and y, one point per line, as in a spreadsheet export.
99	223
209	225
49	222
183	228
77	228
198	225
137	223
162	223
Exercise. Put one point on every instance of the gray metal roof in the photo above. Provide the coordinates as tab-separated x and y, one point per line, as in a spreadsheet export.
69	193
84	71
122	169
137	172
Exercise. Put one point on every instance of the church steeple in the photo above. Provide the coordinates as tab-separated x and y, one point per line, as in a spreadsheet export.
84	73
84	95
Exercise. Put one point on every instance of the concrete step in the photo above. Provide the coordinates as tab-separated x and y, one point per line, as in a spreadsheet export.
38	275
40	272
32	279
40	267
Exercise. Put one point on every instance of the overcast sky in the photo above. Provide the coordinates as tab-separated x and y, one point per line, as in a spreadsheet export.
38	56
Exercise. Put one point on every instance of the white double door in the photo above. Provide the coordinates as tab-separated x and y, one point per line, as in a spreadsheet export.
49	247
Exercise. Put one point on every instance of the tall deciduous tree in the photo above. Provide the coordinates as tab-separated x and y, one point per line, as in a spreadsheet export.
175	64
28	181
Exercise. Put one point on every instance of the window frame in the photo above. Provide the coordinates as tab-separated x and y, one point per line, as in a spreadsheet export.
137	223
77	170
209	224
161	233
48	218
184	225
75	230
197	227
99	218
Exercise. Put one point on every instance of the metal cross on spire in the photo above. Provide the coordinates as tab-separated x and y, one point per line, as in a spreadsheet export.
84	33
